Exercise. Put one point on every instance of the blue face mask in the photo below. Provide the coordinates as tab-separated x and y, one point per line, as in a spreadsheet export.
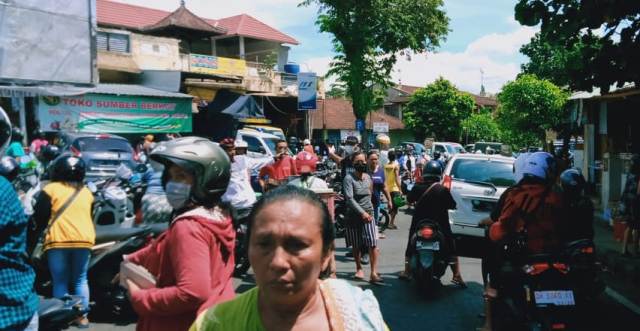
177	194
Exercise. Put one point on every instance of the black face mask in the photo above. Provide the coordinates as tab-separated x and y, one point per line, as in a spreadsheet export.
360	167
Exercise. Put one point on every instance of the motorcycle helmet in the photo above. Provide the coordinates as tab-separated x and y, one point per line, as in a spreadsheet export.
68	168
206	160
16	134
436	155
5	131
541	165
50	152
572	182
9	168
351	140
432	170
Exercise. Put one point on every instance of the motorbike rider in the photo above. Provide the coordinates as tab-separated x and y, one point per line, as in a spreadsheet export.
580	207
535	199
277	172
308	180
306	157
9	168
71	234
239	192
38	142
433	202
193	260
16	274
155	206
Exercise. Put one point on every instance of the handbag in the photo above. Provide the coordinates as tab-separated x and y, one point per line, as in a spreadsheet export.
399	201
38	250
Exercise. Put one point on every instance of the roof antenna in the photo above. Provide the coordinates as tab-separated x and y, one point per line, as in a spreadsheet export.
182	3
482	90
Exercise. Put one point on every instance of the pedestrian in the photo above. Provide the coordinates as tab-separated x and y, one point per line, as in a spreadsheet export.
277	172
193	260
291	241
344	157
631	208
383	141
63	210
361	229
376	171
155	206
18	300
392	178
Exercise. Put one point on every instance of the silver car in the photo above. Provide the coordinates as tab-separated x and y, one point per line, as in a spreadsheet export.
102	153
476	182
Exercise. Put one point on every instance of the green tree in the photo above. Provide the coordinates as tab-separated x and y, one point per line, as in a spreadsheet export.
480	127
368	35
592	42
336	91
528	107
438	111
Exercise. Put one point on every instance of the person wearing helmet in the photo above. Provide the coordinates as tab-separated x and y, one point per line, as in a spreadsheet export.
631	208
580	208
433	201
38	142
307	157
9	168
15	149
193	260
532	203
64	212
16	274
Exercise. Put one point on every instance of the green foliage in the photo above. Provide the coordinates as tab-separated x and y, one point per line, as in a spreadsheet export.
583	43
368	35
480	127
337	91
528	107
438	111
269	62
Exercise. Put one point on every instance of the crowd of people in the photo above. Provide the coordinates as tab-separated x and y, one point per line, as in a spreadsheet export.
204	185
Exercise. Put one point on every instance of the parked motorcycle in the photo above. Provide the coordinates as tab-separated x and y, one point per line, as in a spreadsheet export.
57	314
547	291
430	256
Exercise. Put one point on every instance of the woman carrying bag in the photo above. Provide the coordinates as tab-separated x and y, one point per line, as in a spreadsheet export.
63	210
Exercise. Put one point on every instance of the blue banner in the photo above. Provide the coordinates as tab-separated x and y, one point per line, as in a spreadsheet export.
307	89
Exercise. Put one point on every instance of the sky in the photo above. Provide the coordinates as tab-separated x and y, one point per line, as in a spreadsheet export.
484	36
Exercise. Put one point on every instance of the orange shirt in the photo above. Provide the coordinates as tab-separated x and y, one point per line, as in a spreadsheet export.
280	169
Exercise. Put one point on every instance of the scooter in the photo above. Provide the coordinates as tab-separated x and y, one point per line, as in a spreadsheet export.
57	314
430	259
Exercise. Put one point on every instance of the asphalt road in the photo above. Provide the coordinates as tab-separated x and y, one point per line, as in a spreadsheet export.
453	308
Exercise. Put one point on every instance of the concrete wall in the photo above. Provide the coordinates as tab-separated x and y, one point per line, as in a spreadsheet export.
155	53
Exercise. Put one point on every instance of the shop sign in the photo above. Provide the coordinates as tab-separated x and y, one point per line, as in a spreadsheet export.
115	114
215	65
380	127
307	91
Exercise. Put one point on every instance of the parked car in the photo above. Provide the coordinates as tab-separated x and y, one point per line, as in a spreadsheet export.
102	153
448	149
476	182
499	148
265	129
469	148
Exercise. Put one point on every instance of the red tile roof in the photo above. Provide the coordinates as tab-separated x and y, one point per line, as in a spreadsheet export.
247	26
481	101
408	88
339	116
123	15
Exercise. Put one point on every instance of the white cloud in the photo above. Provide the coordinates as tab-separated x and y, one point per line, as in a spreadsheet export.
495	54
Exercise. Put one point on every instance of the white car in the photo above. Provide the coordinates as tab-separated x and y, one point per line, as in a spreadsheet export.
476	182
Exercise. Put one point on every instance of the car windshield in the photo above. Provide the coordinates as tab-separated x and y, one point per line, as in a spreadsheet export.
450	149
271	143
459	149
91	144
493	172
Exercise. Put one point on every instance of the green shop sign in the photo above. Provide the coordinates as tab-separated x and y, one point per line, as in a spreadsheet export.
116	114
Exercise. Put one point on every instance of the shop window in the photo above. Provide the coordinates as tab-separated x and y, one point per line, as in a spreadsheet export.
113	42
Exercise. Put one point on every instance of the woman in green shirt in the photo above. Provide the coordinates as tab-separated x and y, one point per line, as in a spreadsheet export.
290	246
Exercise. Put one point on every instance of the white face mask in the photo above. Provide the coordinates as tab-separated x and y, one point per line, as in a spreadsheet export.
177	194
348	149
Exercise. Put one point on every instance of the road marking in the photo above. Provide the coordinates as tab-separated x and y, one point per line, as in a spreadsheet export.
622	300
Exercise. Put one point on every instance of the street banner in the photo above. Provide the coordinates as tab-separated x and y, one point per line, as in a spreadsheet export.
307	89
380	127
215	65
114	114
360	124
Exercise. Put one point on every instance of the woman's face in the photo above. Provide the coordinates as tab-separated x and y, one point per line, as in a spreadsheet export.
285	250
374	160
180	175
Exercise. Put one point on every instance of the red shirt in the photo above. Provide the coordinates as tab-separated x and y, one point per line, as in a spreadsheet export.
280	169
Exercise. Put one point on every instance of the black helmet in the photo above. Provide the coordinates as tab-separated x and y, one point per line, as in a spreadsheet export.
67	168
436	155
206	160
572	182
50	152
9	168
5	131
432	170
16	134
351	140
38	134
293	140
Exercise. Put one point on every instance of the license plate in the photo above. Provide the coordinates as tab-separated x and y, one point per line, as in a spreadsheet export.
433	245
482	205
558	298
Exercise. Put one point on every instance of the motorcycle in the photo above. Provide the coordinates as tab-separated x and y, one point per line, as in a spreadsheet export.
430	259
57	314
112	242
27	186
241	224
547	291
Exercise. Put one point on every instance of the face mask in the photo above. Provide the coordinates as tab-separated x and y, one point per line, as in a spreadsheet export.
360	167
348	149
177	194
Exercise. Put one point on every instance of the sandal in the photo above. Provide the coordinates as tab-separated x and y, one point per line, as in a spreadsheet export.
357	277
392	227
375	279
458	281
